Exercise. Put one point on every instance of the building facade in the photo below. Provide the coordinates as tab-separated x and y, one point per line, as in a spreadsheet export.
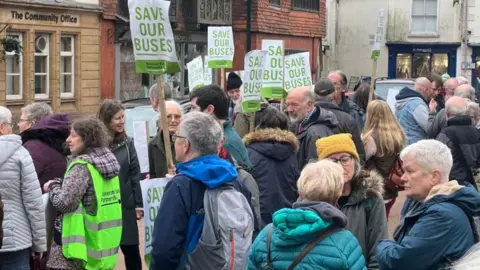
421	36
58	62
299	23
189	20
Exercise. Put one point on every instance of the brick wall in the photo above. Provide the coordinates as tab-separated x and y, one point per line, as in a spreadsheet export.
282	21
109	8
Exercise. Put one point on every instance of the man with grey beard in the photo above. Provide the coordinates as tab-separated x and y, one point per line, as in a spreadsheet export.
310	122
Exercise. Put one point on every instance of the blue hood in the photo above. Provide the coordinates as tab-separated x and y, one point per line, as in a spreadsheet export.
210	170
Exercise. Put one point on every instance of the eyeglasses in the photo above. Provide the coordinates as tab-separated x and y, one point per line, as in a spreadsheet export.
347	160
175	137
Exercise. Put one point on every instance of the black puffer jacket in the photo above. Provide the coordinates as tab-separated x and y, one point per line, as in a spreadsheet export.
321	123
273	156
459	129
346	124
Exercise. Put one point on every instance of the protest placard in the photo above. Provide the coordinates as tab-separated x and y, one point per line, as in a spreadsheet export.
297	71
152	37
220	47
207	72
272	84
252	80
195	73
152	193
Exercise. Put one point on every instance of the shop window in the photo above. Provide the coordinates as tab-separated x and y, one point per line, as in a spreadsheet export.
440	63
421	65
67	67
424	16
14	71
274	3
306	5
404	65
42	65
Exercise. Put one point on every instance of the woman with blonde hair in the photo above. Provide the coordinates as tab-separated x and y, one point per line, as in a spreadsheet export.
384	139
313	227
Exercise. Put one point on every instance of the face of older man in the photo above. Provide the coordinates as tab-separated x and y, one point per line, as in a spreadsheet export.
298	106
182	146
418	182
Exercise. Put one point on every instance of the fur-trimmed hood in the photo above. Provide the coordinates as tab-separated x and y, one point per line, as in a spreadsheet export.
365	185
275	143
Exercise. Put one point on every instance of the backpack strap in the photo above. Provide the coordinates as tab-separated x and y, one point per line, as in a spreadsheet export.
311	245
269	242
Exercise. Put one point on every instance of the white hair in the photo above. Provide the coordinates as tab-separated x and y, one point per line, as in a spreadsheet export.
431	155
5	115
167	91
470	261
469	94
202	131
36	111
462	80
170	102
456	106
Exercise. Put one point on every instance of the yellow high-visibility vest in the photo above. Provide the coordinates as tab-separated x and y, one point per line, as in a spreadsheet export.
95	239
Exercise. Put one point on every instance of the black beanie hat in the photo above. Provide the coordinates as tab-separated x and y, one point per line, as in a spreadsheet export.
233	81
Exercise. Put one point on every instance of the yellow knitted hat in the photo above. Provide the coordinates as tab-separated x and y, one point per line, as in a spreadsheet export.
339	143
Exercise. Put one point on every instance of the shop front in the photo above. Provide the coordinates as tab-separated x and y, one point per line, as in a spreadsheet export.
130	85
413	60
58	59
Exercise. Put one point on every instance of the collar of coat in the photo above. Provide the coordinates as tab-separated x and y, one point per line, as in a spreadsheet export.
366	184
272	135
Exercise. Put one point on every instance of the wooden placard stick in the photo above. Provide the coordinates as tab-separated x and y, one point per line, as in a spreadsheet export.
162	108
222	78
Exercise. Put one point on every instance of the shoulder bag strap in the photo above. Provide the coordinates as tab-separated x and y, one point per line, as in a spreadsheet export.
309	247
453	138
269	243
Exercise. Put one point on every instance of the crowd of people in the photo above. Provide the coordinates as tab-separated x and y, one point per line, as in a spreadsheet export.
310	187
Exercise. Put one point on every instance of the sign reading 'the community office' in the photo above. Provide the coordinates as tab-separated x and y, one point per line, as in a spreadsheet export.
152	37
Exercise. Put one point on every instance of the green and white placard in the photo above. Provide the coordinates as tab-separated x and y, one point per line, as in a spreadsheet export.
252	80
207	72
152	193
195	73
297	71
152	37
272	84
220	47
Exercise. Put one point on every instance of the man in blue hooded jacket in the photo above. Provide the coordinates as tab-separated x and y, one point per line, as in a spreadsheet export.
437	225
179	222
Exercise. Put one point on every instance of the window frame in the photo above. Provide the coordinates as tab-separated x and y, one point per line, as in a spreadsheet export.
45	95
20	65
424	33
273	3
72	73
305	9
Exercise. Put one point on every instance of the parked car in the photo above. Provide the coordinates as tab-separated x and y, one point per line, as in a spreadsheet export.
382	85
141	110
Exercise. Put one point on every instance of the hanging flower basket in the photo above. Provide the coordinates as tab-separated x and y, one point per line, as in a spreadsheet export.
11	45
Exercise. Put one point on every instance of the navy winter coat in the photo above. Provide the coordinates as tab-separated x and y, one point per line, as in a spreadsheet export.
179	222
433	233
272	153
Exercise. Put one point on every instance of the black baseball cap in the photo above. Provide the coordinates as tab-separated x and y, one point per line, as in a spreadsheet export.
324	87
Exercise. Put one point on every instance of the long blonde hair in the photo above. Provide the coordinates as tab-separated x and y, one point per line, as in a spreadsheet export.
381	122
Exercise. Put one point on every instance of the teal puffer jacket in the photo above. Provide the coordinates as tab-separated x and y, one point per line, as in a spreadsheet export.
295	228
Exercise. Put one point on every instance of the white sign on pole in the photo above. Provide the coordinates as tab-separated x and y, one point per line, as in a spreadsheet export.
140	141
272	84
220	47
297	71
252	80
152	193
207	72
379	35
152	37
195	73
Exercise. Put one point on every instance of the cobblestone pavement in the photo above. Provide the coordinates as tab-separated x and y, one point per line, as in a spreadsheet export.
392	224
